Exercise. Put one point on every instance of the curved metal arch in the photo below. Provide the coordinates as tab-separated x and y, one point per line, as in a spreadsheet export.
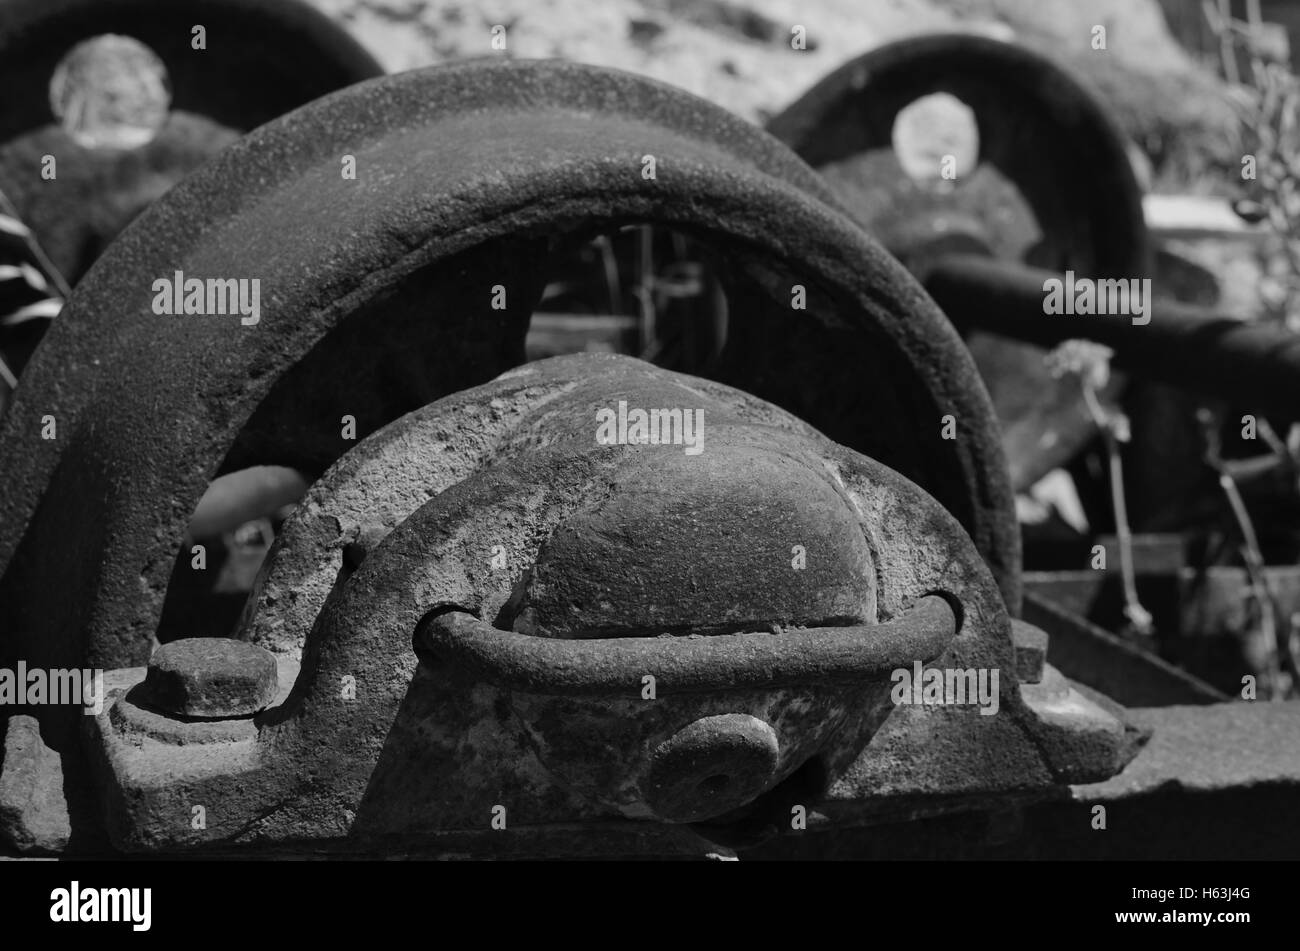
466	176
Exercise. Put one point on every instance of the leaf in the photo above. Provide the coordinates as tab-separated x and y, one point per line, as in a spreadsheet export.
14	226
48	309
25	272
34	277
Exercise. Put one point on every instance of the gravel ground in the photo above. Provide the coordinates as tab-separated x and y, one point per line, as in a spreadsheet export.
739	54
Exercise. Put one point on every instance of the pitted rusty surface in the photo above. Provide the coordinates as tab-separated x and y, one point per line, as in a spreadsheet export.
428	748
711	766
33	810
1031	651
1206	749
371	489
210	677
377	485
672	551
469	174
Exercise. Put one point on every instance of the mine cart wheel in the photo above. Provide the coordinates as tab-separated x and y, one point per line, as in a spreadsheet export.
415	279
1048	151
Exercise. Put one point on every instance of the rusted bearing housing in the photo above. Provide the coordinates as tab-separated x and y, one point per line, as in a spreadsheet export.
469	176
604	634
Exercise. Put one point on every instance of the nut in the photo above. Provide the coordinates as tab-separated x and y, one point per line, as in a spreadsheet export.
211	677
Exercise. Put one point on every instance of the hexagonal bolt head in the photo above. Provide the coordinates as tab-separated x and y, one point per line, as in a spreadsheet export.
212	677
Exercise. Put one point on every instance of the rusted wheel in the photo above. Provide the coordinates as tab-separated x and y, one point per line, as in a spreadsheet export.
485	575
416	279
1039	127
1054	188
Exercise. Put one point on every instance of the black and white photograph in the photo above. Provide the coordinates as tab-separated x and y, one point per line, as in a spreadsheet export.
862	434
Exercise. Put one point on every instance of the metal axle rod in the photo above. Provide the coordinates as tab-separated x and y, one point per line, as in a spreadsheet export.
1190	347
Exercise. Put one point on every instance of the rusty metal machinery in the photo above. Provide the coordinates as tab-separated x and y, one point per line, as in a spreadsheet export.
360	268
1038	127
1053	202
479	605
576	632
1051	139
1192	347
1056	162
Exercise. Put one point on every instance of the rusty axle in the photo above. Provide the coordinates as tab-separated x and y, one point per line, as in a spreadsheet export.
1192	347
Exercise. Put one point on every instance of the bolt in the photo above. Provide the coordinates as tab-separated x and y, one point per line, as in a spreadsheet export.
1031	651
711	766
213	677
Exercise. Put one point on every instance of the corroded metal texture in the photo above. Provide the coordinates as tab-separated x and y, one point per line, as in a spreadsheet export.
435	695
33	807
1214	783
210	677
562	727
376	298
802	655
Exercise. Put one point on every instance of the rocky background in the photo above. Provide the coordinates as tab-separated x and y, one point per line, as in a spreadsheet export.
738	53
